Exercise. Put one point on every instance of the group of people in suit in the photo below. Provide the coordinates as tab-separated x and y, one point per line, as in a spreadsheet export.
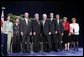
53	32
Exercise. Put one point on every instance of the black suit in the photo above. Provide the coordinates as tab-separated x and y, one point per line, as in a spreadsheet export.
53	35
26	29
59	29
46	36
36	38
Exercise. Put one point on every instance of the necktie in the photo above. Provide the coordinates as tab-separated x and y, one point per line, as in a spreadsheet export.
26	22
38	22
43	23
58	22
73	30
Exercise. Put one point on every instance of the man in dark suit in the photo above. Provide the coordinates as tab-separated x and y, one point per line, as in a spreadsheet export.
46	34
36	33
59	30
52	30
26	31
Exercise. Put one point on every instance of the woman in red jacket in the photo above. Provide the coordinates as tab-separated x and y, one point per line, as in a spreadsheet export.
66	27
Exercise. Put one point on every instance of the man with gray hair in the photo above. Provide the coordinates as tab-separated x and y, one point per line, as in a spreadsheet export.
46	34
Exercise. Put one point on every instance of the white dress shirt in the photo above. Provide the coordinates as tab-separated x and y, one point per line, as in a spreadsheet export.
26	21
74	28
44	22
58	22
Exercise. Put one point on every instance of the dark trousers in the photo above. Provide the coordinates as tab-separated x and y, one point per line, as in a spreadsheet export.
16	43
25	43
3	44
59	36
74	39
47	45
54	42
36	43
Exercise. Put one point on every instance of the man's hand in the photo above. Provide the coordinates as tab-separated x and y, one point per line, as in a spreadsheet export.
62	34
34	33
30	33
49	33
55	32
61	41
21	33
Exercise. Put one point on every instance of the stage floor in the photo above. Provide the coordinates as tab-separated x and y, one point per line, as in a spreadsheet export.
71	52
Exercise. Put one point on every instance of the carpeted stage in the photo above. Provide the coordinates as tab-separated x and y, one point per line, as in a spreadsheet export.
71	52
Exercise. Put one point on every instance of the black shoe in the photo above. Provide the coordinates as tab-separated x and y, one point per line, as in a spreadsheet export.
60	49
27	51
23	51
56	50
45	50
36	51
77	49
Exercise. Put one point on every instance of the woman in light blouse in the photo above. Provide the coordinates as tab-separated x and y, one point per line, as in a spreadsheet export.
74	30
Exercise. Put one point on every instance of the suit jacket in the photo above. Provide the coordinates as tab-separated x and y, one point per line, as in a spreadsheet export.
26	29
45	27
52	26
58	28
36	26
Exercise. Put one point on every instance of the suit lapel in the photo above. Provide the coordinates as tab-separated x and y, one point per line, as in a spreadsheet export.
24	22
45	23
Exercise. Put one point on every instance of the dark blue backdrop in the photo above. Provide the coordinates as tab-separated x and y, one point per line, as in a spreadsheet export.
64	8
